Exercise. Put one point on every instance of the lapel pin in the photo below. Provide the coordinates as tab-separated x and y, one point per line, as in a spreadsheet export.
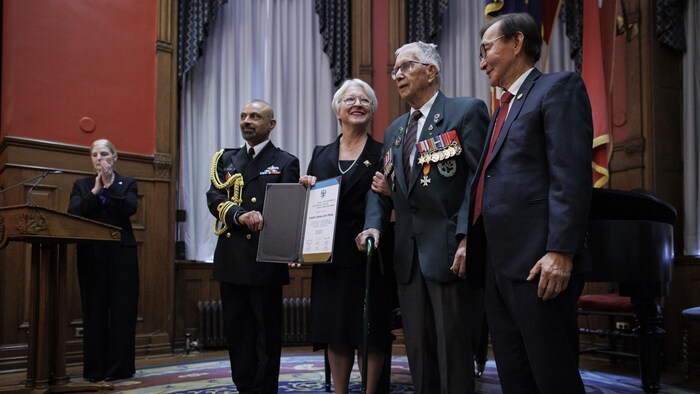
430	128
520	96
366	163
436	118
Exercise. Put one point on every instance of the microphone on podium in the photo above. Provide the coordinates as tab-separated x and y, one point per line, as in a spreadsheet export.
40	178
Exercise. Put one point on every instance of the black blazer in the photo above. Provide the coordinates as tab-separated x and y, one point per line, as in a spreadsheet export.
121	203
236	250
353	192
432	216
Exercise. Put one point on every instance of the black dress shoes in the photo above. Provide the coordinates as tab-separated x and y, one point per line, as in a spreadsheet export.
113	378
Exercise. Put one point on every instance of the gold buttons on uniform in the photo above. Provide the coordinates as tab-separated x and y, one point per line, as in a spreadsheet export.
248	236
228	235
253	200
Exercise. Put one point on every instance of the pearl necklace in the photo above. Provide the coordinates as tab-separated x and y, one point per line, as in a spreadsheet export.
362	143
351	165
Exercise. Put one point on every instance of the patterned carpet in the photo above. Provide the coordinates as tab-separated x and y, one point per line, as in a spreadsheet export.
304	374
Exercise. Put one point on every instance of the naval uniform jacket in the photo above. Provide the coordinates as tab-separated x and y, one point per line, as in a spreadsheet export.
236	249
431	208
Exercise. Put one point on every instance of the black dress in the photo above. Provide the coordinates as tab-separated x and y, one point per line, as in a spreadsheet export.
109	279
338	288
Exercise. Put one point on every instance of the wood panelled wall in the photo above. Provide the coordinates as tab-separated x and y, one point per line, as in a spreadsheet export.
650	155
194	283
374	30
22	158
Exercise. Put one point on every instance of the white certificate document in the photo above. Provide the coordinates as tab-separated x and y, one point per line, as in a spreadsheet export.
319	229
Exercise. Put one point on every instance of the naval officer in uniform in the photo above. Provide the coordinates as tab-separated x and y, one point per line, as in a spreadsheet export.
251	291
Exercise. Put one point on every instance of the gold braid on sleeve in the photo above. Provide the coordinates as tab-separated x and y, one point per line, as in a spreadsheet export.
235	195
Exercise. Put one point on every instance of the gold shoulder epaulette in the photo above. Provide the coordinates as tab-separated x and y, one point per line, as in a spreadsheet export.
235	196
215	180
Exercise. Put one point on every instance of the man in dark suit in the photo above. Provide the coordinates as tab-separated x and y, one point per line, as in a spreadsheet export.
428	165
530	204
251	291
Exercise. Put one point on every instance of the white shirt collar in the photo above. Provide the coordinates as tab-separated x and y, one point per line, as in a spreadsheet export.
515	86
257	147
425	109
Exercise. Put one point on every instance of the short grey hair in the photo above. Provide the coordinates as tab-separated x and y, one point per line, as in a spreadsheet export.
426	52
338	96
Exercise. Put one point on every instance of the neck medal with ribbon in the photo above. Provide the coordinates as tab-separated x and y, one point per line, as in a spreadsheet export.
388	165
388	162
441	150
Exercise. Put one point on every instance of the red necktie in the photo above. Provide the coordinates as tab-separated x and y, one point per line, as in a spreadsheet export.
409	143
502	114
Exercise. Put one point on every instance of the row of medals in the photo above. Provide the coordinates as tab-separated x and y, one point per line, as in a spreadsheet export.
438	155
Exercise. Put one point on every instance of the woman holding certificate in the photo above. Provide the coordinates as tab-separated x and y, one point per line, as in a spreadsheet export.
337	288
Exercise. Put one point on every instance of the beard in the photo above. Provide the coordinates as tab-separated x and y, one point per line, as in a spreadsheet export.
249	134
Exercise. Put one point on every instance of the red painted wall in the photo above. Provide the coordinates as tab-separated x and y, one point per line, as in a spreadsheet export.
65	60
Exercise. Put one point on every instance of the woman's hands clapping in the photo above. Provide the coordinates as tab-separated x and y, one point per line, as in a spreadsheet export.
104	177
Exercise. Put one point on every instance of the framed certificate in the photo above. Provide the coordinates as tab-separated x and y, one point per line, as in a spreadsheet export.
299	224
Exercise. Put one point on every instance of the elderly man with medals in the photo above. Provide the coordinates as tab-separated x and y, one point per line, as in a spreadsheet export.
430	157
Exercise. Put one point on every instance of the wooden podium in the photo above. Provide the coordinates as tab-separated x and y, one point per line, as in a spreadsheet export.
50	232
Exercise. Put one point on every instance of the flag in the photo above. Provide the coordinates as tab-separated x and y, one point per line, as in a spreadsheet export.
544	11
593	72
549	15
494	8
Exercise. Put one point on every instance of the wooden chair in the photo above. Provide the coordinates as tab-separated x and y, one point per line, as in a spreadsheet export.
618	311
